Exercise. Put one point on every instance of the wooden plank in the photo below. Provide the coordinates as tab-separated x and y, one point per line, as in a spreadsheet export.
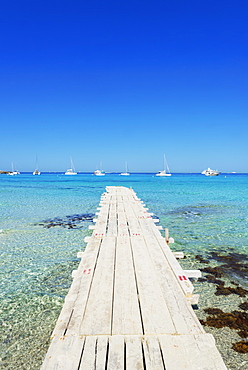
155	315
65	354
126	312
193	273
121	219
152	354
208	351
191	352
88	358
185	284
101	225
134	355
112	221
97	318
134	227
174	353
181	312
116	353
133	223
178	255
201	349
101	352
95	353
79	289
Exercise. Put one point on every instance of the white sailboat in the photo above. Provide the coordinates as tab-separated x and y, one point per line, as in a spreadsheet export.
36	171
125	173
14	171
71	171
99	172
166	170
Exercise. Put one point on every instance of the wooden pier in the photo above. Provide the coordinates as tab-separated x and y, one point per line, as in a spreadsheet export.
129	305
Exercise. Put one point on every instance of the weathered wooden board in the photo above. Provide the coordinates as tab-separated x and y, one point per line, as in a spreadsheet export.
126	310
155	314
97	317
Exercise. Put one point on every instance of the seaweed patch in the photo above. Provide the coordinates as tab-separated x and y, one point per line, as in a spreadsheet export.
68	222
241	347
244	306
235	264
216	271
237	320
200	259
222	290
194	211
232	265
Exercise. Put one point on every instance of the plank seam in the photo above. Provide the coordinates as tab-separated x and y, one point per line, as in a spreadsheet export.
68	323
162	356
137	289
81	355
113	291
107	356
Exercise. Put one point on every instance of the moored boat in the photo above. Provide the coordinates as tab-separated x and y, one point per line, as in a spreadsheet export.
71	171
14	171
36	172
165	171
209	172
99	173
125	173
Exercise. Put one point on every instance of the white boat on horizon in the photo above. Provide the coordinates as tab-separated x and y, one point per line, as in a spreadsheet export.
14	171
125	173
71	171
209	172
36	171
166	170
99	173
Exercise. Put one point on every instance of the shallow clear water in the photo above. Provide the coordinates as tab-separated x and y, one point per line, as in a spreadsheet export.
41	236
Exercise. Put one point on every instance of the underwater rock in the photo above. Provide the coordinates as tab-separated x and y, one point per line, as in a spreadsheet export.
216	271
213	311
244	306
194	211
243	334
69	222
237	320
202	279
200	259
212	279
230	257
222	290
241	347
233	282
233	265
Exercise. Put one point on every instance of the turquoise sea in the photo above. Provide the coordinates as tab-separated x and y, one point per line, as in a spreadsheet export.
44	220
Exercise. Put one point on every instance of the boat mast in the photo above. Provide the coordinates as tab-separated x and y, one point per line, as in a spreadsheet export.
72	165
166	167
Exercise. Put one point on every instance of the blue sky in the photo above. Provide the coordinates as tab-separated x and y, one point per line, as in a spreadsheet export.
124	81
